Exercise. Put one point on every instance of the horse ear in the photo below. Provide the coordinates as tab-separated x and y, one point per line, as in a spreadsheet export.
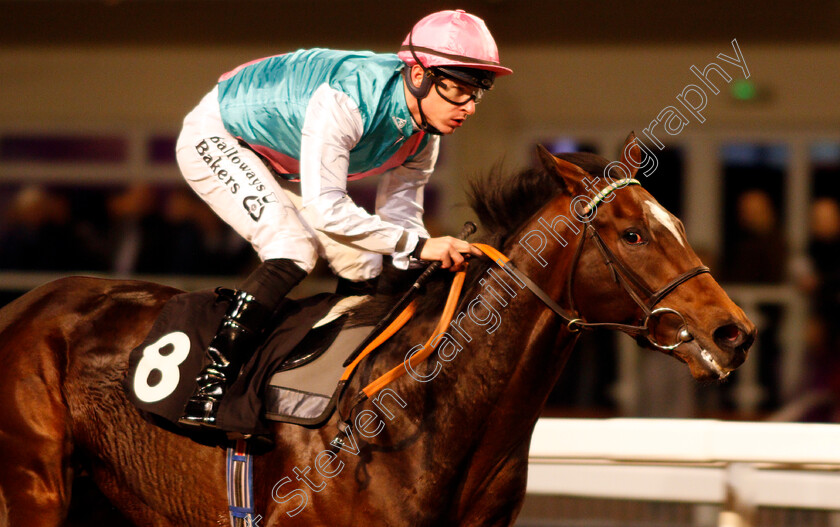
631	154
563	171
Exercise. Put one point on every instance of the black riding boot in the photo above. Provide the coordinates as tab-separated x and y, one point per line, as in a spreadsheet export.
238	336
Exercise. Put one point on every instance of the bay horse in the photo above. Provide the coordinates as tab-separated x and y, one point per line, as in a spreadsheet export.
453	442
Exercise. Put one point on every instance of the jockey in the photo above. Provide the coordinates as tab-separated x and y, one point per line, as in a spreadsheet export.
271	149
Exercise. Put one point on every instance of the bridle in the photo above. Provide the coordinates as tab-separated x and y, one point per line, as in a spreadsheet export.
625	277
574	322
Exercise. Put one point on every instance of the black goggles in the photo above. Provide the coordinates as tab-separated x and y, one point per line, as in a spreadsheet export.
455	92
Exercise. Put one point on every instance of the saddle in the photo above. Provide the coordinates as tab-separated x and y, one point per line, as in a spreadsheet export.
281	382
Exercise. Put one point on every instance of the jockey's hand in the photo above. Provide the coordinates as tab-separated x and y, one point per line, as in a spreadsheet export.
450	251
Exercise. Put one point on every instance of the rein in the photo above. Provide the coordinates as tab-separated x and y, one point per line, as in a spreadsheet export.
398	371
622	275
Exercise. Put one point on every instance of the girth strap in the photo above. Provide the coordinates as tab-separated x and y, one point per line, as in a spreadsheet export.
398	371
416	358
240	485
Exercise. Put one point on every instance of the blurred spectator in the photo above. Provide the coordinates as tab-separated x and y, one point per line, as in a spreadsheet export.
37	233
200	243
137	234
138	229
818	275
156	232
189	232
758	255
824	252
759	251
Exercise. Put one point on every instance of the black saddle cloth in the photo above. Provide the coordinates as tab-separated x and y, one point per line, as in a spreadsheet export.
162	370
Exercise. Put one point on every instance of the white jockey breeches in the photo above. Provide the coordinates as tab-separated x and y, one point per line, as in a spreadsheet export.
239	187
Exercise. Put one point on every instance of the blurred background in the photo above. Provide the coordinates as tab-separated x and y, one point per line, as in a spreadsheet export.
92	94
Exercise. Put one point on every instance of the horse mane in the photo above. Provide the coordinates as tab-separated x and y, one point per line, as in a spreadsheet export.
503	202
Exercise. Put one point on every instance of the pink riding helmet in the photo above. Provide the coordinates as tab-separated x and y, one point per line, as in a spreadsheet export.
452	38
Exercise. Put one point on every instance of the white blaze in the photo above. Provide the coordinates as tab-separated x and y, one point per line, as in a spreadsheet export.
664	217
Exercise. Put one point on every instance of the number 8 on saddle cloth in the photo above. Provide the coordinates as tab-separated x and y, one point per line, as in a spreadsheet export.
281	381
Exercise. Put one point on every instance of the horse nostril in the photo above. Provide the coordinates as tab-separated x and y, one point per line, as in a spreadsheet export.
729	332
732	337
728	337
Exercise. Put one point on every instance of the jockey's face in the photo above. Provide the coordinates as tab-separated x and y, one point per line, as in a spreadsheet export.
440	113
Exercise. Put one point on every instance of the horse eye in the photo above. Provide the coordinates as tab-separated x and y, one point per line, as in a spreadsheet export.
633	238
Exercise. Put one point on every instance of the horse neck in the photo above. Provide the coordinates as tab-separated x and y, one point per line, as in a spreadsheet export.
498	382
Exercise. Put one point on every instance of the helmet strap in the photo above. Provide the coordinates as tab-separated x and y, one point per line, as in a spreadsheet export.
419	92
424	124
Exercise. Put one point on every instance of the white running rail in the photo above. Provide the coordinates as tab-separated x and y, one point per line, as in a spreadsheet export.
738	465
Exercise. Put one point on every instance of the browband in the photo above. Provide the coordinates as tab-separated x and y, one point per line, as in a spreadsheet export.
606	191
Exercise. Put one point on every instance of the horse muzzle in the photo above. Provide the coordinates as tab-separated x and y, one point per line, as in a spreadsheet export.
716	357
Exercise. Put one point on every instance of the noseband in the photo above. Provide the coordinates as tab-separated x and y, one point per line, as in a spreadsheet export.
629	281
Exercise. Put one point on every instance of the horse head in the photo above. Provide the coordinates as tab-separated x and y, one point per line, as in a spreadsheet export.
633	268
